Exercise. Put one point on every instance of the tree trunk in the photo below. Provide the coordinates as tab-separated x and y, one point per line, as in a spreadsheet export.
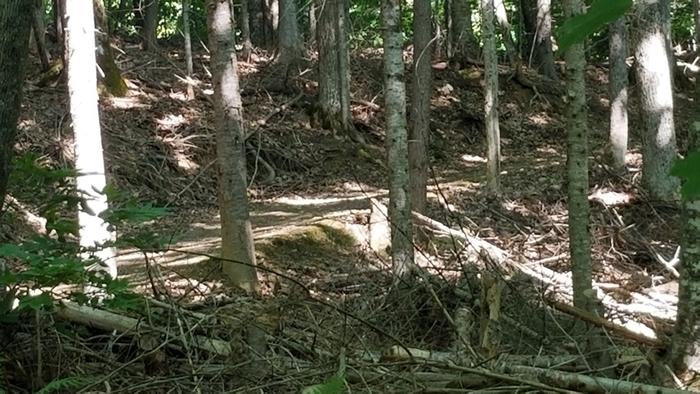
618	94
312	23
696	20
245	31
112	79
149	35
333	59
236	231
577	167
272	17
290	47
508	42
656	98
538	36
493	135
256	18
15	22
138	9
89	158
462	43
685	348
577	176
188	47
40	35
397	140
58	12
422	89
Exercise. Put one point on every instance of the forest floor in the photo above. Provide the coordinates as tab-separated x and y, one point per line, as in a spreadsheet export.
324	288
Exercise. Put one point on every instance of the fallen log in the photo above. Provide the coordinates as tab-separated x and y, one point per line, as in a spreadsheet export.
555	282
109	321
587	384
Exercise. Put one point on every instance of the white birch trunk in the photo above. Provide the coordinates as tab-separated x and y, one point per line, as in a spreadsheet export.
89	158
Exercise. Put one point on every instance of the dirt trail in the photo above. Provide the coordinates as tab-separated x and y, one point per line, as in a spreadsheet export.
271	219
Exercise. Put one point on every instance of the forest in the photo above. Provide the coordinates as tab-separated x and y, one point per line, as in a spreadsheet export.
335	196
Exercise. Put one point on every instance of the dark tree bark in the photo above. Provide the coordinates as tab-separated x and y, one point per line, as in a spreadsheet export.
111	80
334	73
577	189
150	25
397	141
290	46
138	10
577	168
245	31
685	348
537	20
15	23
58	12
256	18
40	35
696	20
422	88
462	44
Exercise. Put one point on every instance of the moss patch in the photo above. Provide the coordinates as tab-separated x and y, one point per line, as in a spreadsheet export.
312	246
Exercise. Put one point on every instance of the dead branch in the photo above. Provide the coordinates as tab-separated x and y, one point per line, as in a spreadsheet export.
109	321
588	384
554	281
601	322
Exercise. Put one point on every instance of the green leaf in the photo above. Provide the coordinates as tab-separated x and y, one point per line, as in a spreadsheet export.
335	385
600	13
65	384
36	302
16	251
688	170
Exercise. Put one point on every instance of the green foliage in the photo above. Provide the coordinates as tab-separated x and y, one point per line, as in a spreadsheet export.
48	260
366	23
687	170
366	18
682	24
599	14
334	385
66	384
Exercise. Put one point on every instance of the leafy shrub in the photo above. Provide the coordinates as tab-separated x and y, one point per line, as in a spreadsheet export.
54	258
